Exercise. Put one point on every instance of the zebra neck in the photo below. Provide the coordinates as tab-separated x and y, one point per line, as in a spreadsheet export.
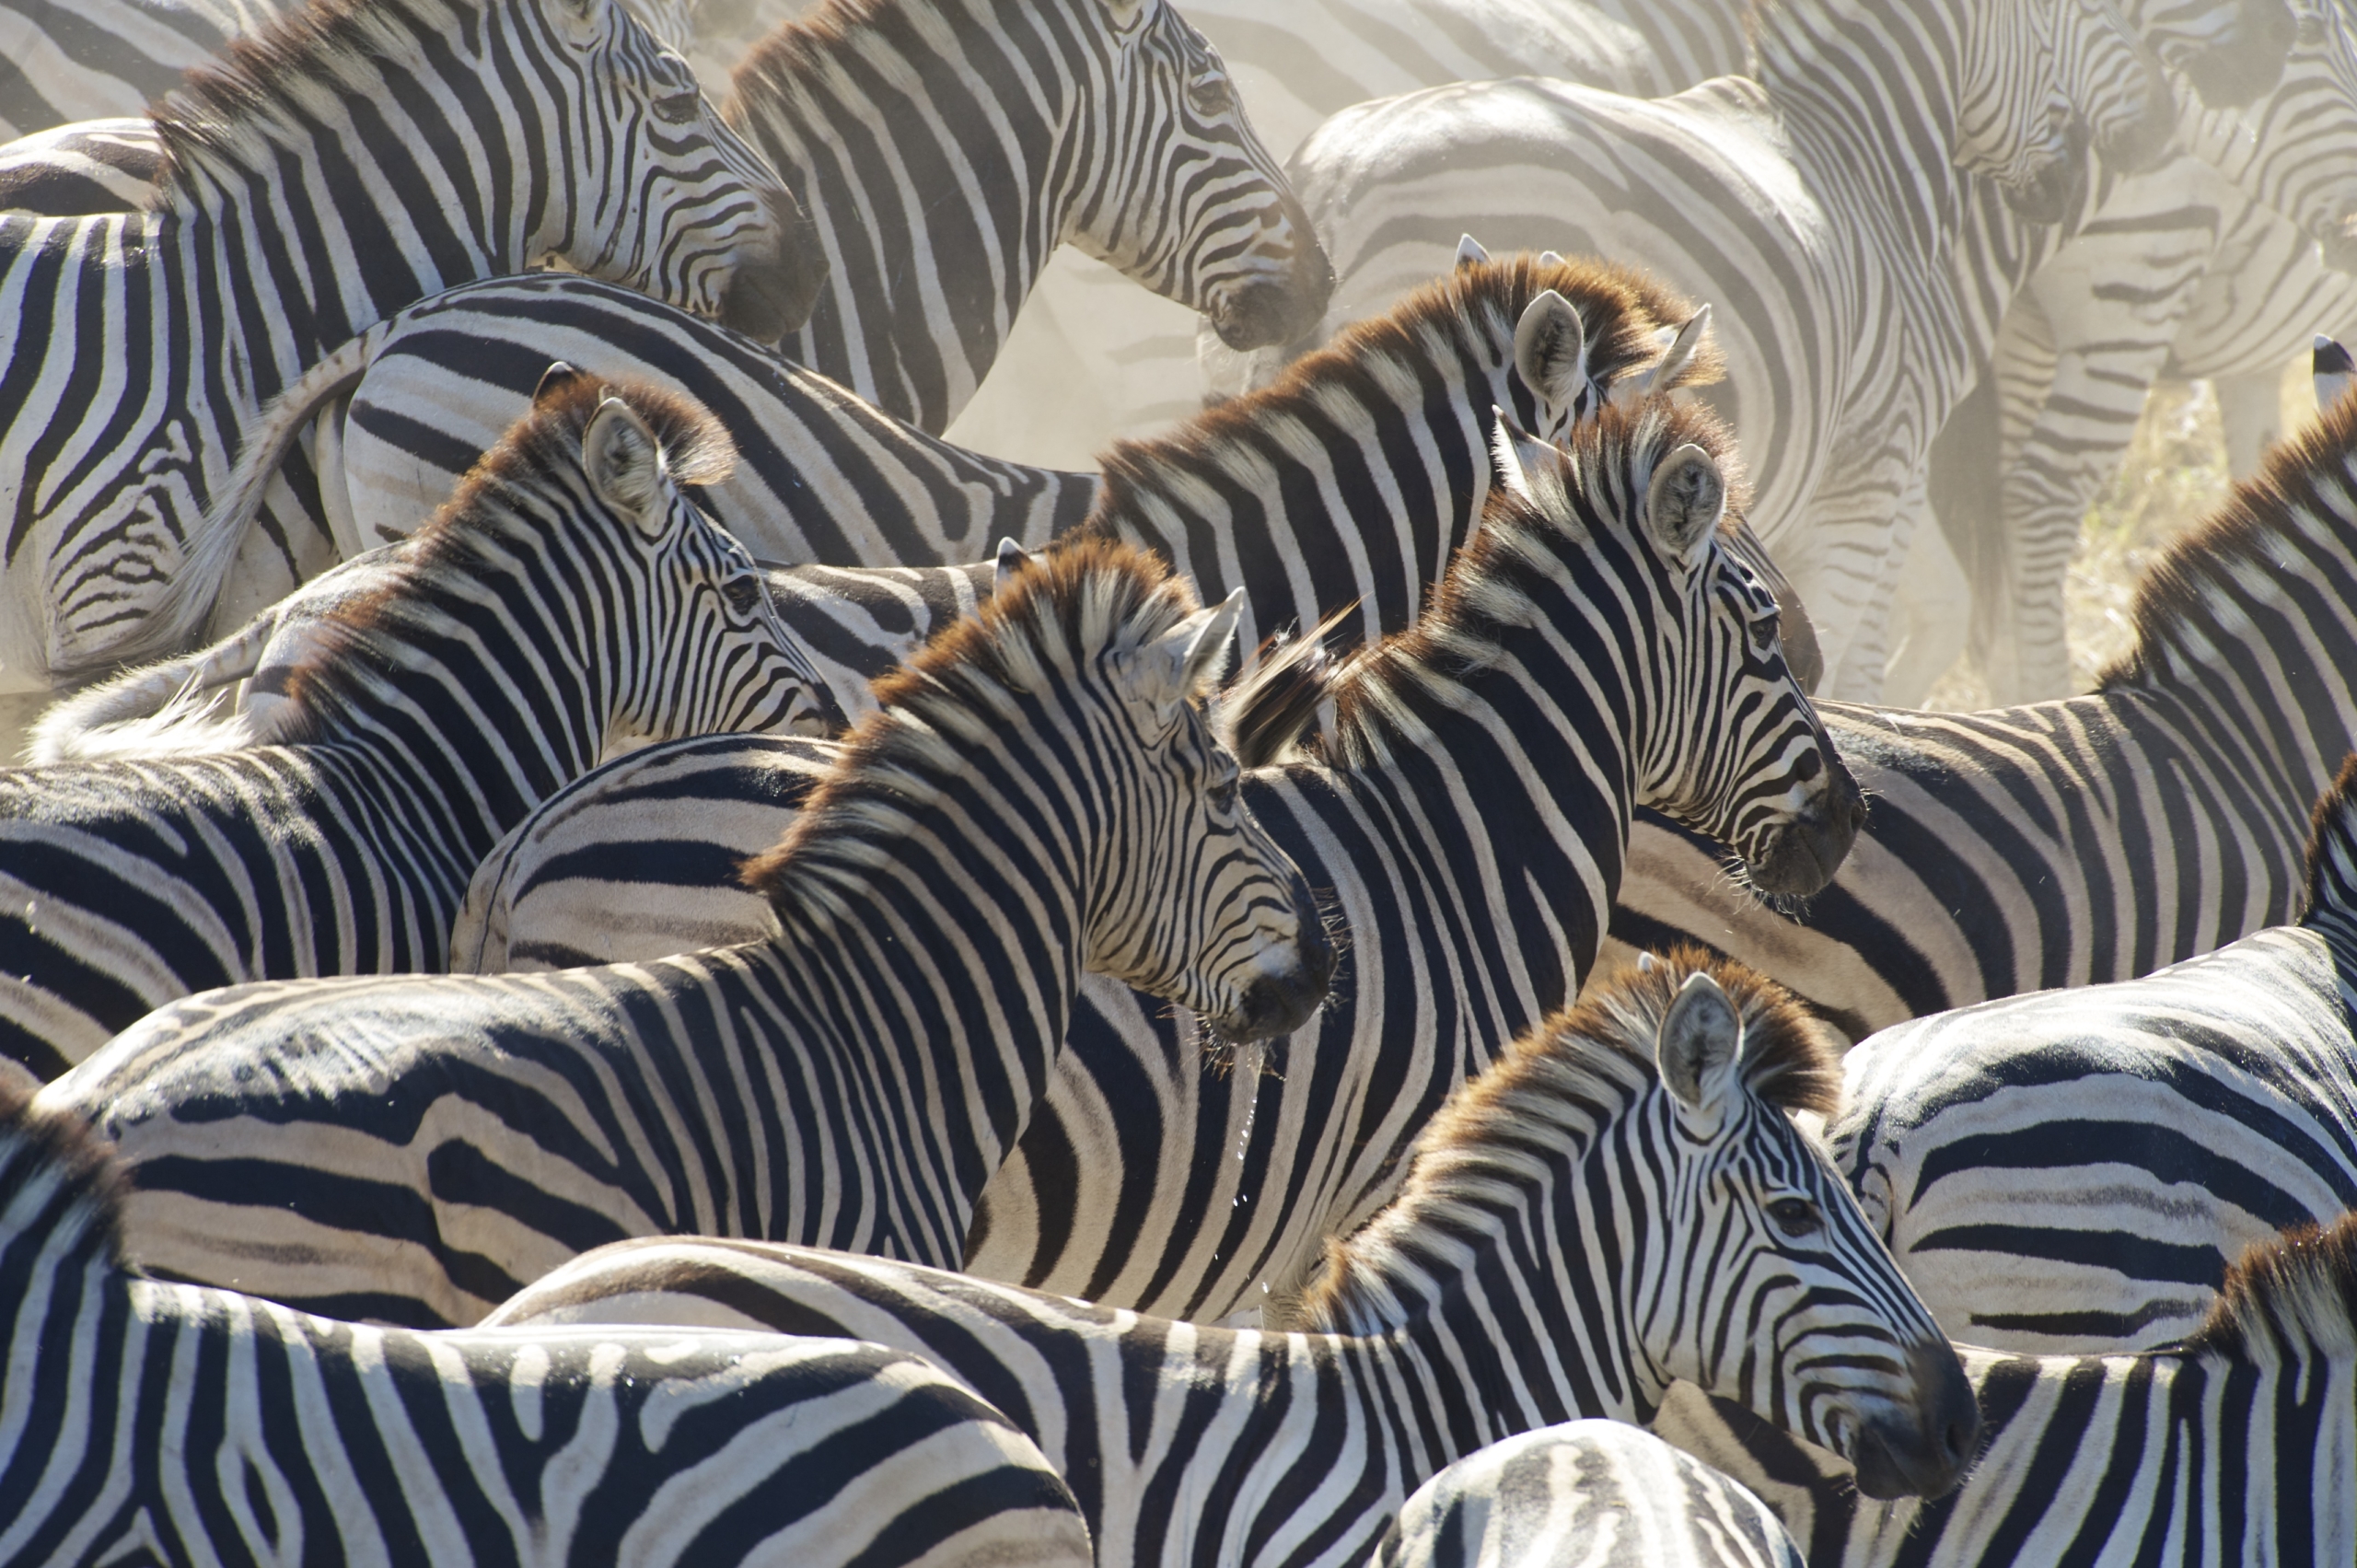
929	148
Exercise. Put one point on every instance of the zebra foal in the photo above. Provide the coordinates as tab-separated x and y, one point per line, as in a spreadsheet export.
2237	1445
173	1425
1620	1201
1038	795
568	596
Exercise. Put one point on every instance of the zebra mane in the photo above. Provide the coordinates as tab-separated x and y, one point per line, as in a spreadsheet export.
222	116
1389	358
784	59
1264	715
2332	845
1555	1087
2295	1296
56	1173
2295	517
1487	587
1060	615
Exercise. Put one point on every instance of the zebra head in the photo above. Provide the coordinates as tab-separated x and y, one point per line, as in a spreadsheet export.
655	191
1726	739
695	647
2231	51
2042	79
1179	195
2296	149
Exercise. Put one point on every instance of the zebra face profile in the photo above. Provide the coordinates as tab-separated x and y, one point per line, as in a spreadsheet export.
2297	149
661	194
2043	79
1858	1365
701	646
1730	744
1185	199
2231	55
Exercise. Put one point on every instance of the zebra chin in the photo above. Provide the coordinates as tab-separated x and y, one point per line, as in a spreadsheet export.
1800	854
1280	1000
774	289
1923	1448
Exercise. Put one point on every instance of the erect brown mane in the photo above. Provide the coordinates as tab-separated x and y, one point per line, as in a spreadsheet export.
1612	458
2312	470
2297	1293
1068	607
36	1141
545	440
2332	836
783	57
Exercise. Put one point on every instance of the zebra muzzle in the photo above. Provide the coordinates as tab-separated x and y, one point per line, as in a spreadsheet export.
1278	1002
1924	1448
1800	854
772	293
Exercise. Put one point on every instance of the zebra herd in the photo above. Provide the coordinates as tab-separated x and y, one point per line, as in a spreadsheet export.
618	948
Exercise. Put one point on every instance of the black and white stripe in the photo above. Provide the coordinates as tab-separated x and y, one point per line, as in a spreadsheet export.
1593	1493
2076	1170
95	59
568	597
1577	658
2238	1444
1040	795
1621	1199
2092	839
342	165
165	1423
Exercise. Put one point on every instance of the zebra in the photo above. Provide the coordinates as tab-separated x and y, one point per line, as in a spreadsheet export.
2074	1170
2090	839
2097	324
568	595
2238	1443
1038	795
107	57
1353	480
166	1423
1471	836
1590	1491
1821	206
241	276
1620	1201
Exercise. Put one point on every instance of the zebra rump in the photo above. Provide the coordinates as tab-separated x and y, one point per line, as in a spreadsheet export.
173	1424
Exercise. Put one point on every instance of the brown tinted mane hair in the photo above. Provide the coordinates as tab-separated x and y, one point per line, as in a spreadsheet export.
2246	530
2333	826
545	441
785	56
220	105
2297	1293
1077	599
1612	457
1620	307
1583	1067
36	1141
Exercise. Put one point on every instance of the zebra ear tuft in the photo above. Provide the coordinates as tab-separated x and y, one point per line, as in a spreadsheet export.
1684	502
1183	663
624	463
1470	252
553	382
2331	369
1701	1039
1010	559
1550	350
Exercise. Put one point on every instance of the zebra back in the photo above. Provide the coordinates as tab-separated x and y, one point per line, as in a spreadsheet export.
1113	126
2235	1445
279	1436
1621	1199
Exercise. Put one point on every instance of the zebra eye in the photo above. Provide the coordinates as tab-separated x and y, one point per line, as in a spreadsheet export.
1208	92
678	108
744	593
1221	791
1763	631
1796	1217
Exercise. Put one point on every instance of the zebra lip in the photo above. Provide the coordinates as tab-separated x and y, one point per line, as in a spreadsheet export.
1928	1456
1800	855
1265	312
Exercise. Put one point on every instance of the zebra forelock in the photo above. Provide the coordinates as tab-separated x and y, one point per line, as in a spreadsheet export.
2290	1299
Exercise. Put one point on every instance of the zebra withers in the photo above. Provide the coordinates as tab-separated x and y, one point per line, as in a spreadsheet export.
344	163
1594	1493
2076	1170
167	1424
567	596
2237	1445
1040	796
1621	1200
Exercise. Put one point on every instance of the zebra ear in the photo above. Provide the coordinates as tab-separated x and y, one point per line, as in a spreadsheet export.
1521	458
1011	558
1469	252
553	381
2332	370
1676	359
1701	1037
1684	504
625	466
1550	258
1182	664
1550	350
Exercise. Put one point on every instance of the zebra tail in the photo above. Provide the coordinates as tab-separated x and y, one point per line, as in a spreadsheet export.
212	552
163	709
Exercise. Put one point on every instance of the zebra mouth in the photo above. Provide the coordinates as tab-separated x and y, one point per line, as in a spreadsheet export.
1800	854
2055	190
1925	1453
1278	1003
772	292
1269	311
